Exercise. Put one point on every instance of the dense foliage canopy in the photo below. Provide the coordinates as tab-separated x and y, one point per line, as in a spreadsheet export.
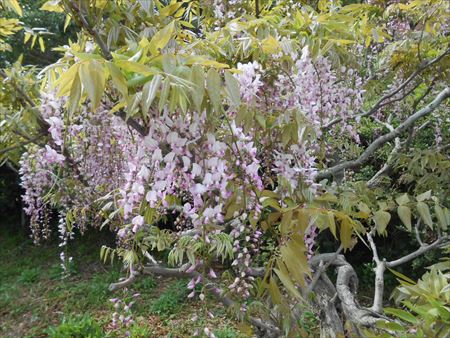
233	142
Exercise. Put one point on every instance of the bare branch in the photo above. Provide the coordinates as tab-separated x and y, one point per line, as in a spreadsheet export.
128	281
373	246
321	269
182	272
440	242
132	123
380	141
377	306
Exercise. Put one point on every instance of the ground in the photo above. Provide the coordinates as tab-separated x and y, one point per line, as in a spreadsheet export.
36	302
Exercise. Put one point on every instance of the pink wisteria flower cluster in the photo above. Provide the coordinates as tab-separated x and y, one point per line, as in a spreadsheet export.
187	168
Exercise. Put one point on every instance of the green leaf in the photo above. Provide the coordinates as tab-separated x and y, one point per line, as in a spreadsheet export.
402	314
164	94
75	95
393	326
198	92
149	92
405	216
285	223
331	223
118	79
232	87
381	219
346	233
402	199
161	38
93	79
424	212
425	196
213	85
402	276
440	215
286	280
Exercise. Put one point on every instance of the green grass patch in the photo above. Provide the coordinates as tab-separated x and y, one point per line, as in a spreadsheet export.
172	299
35	301
76	327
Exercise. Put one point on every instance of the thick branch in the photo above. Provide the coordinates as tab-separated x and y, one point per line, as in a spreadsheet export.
379	275
321	269
440	242
379	142
346	286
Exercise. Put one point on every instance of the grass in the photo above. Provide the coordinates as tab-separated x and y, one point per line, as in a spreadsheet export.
36	302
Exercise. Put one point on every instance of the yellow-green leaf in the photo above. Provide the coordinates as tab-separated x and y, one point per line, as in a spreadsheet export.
405	216
64	82
164	94
52	6
423	197
135	67
270	45
75	94
402	314
213	85
346	232
331	223
232	88
93	79
424	212
161	38
14	5
286	280
440	215
381	219
41	44
285	223
402	199
198	90
392	326
149	92
117	78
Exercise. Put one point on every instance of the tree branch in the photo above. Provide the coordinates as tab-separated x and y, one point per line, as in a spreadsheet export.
440	242
380	141
128	281
380	103
182	272
93	32
321	269
379	275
